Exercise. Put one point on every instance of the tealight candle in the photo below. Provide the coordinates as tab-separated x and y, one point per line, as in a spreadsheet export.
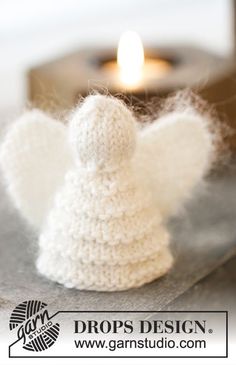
134	73
132	70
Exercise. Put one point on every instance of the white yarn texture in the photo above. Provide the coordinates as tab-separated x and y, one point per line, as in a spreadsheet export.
99	191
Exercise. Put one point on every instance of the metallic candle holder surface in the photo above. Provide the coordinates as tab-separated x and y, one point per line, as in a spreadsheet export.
57	85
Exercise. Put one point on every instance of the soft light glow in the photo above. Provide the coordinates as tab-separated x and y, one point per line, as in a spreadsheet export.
130	58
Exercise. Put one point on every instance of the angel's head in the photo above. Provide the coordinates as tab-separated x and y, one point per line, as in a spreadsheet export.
102	132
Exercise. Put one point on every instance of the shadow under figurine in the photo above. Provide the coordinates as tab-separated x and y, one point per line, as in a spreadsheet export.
100	190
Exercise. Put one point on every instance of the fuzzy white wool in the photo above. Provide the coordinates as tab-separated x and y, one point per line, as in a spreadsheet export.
173	155
100	189
34	157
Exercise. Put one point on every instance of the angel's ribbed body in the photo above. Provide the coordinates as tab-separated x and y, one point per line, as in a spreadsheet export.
103	233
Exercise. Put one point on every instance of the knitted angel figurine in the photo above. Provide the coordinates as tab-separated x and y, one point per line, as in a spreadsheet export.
99	191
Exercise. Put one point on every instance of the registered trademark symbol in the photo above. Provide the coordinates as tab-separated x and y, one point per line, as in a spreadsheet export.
210	330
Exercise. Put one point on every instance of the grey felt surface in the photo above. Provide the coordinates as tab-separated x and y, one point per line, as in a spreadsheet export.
204	237
217	291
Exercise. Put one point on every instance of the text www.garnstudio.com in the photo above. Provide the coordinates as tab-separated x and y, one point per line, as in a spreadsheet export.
163	342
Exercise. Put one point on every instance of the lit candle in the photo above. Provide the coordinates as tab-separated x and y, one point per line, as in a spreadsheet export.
136	70
130	59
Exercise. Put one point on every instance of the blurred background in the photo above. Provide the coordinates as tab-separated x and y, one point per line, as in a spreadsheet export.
33	33
54	51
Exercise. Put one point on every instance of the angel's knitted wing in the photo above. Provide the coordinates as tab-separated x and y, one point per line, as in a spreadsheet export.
173	154
34	157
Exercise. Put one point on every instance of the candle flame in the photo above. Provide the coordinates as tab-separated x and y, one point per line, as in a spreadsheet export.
130	58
